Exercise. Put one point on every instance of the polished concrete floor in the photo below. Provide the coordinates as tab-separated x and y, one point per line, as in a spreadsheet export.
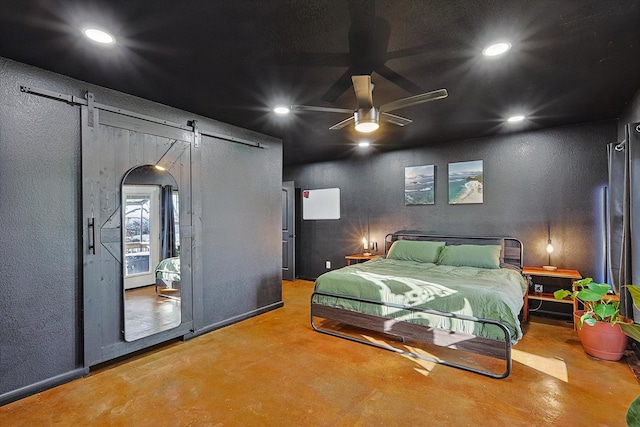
274	370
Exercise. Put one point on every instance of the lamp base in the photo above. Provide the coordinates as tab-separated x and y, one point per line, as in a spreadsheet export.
549	267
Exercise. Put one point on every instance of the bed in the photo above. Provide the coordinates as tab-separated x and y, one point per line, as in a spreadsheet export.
168	278
463	293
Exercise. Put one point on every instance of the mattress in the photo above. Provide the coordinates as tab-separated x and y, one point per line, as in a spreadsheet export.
495	294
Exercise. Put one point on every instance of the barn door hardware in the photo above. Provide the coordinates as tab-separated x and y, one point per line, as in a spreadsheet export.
92	236
69	99
90	108
196	133
90	102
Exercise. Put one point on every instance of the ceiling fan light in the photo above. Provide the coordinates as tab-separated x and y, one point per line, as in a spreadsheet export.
366	127
366	119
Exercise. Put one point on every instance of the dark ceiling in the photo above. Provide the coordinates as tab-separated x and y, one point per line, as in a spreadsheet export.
571	61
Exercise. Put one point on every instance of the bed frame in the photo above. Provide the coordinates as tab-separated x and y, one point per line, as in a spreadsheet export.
511	255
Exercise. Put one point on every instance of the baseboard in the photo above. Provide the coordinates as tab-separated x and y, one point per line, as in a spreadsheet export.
550	313
233	320
23	392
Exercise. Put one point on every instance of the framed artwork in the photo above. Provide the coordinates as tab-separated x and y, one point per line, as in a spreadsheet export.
466	182
419	185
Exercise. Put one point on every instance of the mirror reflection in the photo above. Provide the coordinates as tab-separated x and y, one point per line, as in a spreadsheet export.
151	248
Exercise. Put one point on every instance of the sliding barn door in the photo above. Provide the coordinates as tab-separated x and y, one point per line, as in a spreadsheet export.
288	231
113	144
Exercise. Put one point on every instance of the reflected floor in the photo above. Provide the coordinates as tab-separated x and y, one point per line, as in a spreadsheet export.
147	313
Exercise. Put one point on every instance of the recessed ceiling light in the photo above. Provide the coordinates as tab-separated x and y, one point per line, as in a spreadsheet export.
496	49
364	144
281	109
514	119
99	36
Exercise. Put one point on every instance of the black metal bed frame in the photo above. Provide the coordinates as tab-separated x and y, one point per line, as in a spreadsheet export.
500	349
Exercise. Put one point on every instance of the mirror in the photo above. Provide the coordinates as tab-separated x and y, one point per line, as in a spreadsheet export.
151	248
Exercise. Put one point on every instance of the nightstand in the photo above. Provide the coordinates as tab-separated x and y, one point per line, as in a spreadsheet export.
563	280
359	258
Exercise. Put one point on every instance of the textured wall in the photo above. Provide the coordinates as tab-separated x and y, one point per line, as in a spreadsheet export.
550	176
240	211
39	205
40	250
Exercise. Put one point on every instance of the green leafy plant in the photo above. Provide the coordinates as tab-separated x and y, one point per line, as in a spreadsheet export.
633	413
600	307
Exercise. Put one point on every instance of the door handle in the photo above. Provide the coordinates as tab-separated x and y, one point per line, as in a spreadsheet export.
92	236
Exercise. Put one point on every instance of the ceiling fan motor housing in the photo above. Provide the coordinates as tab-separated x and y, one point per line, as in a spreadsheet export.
366	119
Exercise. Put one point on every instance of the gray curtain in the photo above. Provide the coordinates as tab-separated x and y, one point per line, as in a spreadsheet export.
624	215
168	236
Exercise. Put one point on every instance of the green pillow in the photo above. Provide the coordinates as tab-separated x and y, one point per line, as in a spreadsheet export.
415	250
480	256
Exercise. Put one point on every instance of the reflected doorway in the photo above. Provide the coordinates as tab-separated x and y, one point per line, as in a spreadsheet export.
151	248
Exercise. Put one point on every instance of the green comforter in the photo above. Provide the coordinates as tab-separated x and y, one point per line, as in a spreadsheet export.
169	269
495	294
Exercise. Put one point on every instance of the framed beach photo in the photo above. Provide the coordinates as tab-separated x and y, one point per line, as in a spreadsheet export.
466	182
419	185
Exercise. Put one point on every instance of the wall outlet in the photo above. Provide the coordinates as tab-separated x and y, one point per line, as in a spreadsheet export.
327	264
537	288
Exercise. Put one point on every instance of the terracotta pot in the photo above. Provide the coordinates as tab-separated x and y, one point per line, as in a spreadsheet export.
602	340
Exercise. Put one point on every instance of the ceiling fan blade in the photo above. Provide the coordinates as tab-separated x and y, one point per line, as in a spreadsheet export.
430	51
414	100
339	87
342	124
397	79
396	120
363	88
320	109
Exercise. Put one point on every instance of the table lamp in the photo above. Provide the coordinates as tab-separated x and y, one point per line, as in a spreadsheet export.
549	251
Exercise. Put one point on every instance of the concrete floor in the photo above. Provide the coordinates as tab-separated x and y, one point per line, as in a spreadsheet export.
274	370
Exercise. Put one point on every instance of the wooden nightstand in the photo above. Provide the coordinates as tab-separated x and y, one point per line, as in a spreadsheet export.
565	281
359	258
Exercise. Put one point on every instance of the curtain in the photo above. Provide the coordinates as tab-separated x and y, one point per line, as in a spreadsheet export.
624	216
168	232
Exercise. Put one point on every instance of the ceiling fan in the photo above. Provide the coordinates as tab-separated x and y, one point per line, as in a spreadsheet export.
366	116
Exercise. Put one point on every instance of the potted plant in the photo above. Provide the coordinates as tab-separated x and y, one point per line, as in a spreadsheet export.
607	331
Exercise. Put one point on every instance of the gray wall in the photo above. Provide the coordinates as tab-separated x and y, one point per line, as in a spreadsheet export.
531	179
40	245
40	308
244	259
